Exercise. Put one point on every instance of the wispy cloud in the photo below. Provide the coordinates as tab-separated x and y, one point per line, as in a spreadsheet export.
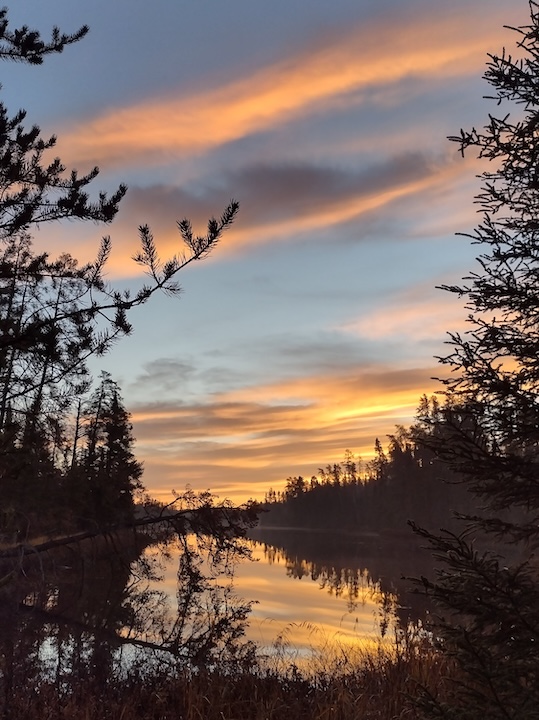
317	79
288	202
280	202
418	314
241	442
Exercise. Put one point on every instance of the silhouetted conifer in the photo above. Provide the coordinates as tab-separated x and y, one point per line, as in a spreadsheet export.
106	474
489	600
55	314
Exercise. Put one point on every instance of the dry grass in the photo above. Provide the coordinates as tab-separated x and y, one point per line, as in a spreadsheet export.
379	684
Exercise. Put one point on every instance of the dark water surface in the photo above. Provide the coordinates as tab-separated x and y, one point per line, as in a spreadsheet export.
318	586
91	609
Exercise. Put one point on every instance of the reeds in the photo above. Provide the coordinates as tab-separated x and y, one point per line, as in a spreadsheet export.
381	683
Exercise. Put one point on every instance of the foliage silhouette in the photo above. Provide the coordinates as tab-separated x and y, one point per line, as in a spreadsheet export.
489	600
55	314
91	609
68	475
406	483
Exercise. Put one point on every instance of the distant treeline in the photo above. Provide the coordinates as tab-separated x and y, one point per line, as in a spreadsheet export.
403	482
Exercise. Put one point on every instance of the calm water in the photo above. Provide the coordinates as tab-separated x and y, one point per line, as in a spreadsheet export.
314	589
94	607
302	607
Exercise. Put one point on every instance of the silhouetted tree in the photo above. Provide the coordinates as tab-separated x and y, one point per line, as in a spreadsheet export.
490	600
106	473
56	313
34	192
377	467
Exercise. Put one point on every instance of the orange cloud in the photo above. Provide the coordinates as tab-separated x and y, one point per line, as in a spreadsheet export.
321	77
413	315
240	443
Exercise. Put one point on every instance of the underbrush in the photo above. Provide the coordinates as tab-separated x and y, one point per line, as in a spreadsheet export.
382	683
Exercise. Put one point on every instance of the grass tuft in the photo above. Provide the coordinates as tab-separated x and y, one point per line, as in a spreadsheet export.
338	683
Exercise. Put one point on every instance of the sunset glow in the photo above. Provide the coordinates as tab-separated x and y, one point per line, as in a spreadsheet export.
314	326
259	436
331	72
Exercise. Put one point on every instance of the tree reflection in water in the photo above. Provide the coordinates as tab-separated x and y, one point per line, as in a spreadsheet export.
86	613
90	610
356	567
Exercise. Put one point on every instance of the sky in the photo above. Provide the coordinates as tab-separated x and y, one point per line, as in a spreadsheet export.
315	324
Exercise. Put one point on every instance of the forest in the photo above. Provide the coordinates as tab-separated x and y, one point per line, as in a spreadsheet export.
406	482
82	634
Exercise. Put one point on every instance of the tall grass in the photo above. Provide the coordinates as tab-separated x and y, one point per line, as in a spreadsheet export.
379	683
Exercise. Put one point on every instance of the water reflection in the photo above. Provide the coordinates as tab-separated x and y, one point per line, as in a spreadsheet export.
296	614
351	585
88	611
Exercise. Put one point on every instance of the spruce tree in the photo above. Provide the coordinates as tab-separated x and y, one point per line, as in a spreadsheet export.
34	191
56	313
487	589
106	474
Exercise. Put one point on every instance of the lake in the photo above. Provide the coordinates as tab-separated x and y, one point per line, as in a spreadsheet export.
130	599
315	589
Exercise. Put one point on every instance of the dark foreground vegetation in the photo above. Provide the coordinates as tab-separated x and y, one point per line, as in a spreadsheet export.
83	634
376	686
